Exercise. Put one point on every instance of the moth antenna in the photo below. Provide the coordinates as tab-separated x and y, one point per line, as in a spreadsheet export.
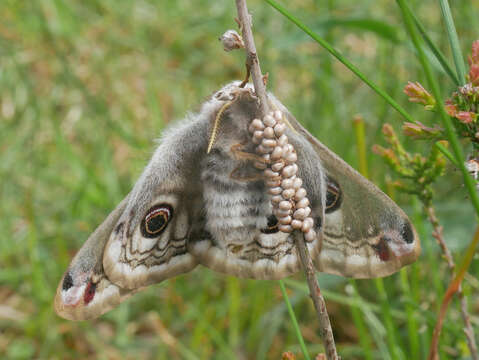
216	124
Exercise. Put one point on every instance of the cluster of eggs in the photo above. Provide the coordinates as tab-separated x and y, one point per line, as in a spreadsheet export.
278	162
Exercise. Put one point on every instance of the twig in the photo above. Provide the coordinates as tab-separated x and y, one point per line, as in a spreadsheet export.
318	300
468	329
252	62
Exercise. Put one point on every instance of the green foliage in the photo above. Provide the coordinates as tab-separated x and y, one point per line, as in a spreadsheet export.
86	88
418	172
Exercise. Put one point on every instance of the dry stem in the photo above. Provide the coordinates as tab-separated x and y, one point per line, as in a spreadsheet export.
252	62
318	300
468	329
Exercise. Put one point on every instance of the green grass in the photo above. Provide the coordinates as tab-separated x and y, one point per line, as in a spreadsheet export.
86	88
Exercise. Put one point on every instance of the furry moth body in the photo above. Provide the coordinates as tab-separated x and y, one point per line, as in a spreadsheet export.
191	207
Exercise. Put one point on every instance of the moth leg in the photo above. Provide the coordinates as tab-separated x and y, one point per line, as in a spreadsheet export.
240	174
241	155
248	72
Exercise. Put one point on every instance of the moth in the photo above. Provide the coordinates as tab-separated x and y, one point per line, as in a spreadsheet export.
190	207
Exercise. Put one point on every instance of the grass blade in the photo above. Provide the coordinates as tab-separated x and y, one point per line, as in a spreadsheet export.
363	334
378	27
445	152
234	292
359	132
341	58
451	290
411	318
435	50
294	321
391	336
453	40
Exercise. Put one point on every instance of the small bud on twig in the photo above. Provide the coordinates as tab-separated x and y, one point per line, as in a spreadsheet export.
231	40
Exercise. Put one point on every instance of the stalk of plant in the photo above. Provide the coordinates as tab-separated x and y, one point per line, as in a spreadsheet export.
417	175
294	321
467	118
394	347
253	65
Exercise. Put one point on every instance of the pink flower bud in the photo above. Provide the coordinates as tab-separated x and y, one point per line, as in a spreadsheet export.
451	109
466	117
473	75
388	130
418	130
474	58
417	93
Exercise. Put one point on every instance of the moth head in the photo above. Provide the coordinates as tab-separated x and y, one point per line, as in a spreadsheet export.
230	91
240	101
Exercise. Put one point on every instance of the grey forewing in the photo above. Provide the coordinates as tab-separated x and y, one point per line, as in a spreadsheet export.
173	168
361	211
90	255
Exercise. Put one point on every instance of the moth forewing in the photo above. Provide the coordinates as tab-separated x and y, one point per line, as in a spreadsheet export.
149	243
365	233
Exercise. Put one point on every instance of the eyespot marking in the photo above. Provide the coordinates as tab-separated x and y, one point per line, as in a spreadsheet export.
272	225
407	233
67	282
156	220
382	248
89	292
334	196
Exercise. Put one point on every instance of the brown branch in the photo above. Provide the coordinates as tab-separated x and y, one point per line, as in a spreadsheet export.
318	300
468	329
252	62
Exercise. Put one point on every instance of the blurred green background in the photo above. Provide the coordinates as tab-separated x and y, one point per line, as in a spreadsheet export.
85	89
